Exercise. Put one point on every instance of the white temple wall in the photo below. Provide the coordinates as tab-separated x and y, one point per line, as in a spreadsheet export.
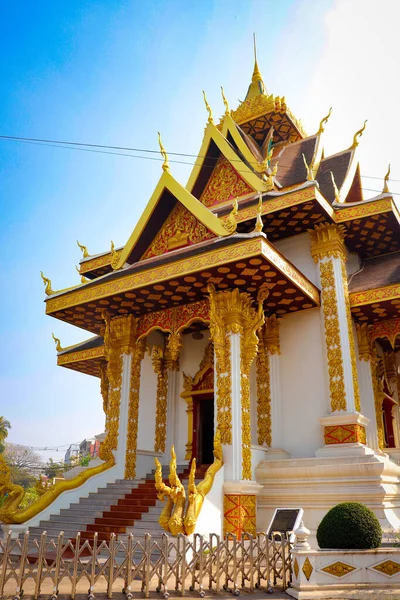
191	355
304	391
297	250
148	397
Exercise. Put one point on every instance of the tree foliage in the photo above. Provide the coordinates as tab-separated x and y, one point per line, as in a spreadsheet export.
4	427
54	469
25	464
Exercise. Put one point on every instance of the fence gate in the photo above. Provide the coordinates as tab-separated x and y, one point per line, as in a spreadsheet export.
38	565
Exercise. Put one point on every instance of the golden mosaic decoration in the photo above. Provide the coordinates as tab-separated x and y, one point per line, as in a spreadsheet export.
296	568
364	341
332	337
345	434
264	435
388	292
180	229
160	368
357	401
138	352
224	184
307	568
388	567
378	398
338	569
327	240
239	514
115	335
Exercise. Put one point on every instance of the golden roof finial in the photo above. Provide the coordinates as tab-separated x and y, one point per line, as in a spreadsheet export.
84	250
309	169
47	285
335	187
208	107
324	122
231	223
386	182
358	134
57	343
165	165
83	278
227	109
257	87
259	222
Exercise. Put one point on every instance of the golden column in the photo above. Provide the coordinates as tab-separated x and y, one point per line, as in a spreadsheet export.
234	323
345	424
370	386
120	388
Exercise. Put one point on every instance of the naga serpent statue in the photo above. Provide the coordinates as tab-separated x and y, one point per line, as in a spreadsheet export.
174	518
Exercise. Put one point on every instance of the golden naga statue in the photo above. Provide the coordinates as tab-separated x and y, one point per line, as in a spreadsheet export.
231	222
47	285
176	517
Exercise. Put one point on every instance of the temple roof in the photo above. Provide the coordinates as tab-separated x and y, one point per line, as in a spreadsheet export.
376	272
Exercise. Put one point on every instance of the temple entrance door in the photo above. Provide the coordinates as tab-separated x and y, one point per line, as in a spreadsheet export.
203	429
387	408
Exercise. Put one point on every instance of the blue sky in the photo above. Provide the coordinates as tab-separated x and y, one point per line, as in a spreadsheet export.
116	72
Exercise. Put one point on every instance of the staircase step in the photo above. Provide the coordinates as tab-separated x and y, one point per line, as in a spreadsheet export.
120	515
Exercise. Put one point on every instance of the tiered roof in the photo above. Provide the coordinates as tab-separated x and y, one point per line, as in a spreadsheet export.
257	161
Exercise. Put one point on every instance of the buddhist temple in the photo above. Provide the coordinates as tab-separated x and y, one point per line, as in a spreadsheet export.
246	339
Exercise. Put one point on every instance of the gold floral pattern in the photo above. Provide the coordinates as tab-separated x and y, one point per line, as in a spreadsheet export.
160	368
307	568
264	435
225	184
180	229
332	337
357	402
388	567
338	569
138	352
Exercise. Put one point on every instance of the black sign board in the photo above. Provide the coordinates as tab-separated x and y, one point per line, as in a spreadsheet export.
285	520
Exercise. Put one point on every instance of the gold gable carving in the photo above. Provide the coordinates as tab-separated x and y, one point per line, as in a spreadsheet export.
225	184
180	229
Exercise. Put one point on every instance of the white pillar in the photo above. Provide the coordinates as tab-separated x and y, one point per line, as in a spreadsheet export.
236	463
123	414
368	401
171	409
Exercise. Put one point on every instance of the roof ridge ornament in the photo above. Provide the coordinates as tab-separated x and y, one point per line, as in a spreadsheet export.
47	285
57	343
84	249
227	109
83	278
309	169
324	122
386	182
231	222
335	188
358	134
259	222
208	107
164	154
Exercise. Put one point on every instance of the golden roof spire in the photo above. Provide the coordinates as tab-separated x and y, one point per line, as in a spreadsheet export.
324	122
257	87
57	343
227	109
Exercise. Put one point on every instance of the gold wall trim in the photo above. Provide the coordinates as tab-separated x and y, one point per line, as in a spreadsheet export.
366	209
388	292
97	262
138	352
66	359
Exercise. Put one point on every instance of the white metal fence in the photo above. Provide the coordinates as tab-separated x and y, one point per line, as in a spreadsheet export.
40	565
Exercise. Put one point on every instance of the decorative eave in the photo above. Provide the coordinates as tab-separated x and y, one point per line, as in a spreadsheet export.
375	289
139	288
211	133
86	357
201	212
98	264
372	226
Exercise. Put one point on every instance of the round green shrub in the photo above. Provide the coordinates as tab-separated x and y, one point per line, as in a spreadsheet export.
349	526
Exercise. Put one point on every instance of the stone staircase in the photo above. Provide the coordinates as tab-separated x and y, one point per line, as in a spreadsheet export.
123	507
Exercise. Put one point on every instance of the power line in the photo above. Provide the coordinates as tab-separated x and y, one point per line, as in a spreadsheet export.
89	147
